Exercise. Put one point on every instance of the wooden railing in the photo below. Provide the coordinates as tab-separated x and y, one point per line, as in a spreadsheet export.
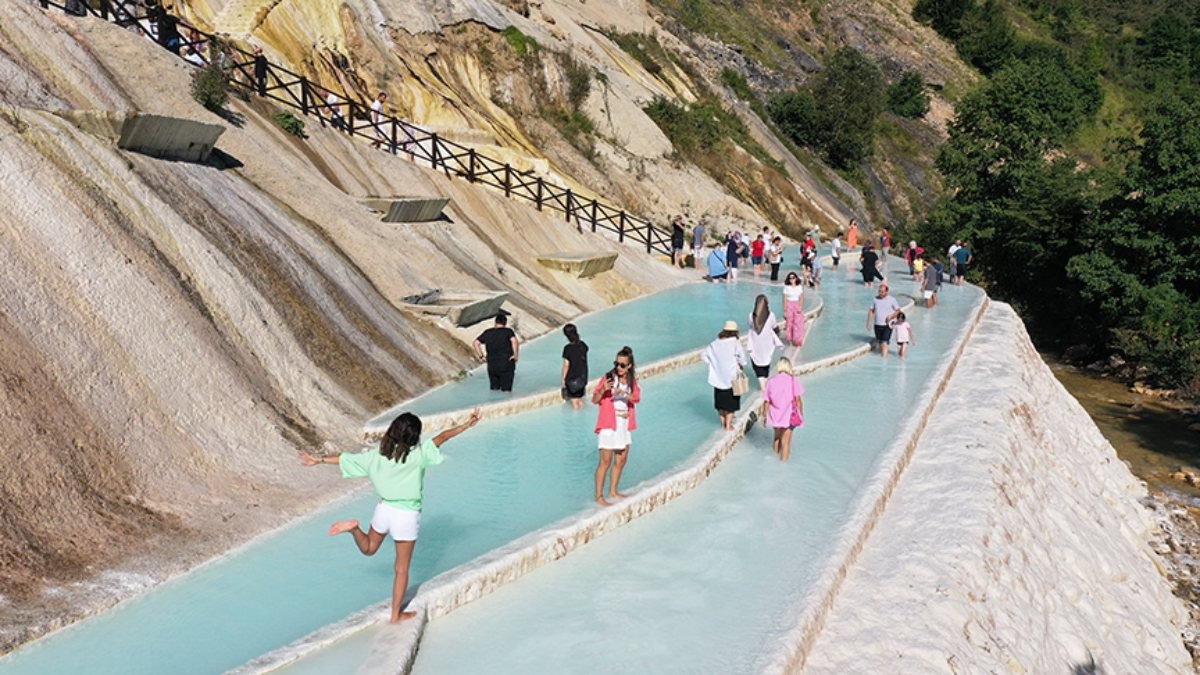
388	132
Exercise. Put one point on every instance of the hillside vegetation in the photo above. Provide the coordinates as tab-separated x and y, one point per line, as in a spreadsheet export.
1075	172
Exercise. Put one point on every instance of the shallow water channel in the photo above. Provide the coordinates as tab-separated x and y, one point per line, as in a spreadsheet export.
505	478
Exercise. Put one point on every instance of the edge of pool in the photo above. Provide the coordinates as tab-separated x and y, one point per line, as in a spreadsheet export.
797	643
479	577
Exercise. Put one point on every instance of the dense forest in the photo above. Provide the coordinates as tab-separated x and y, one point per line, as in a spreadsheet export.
1074	170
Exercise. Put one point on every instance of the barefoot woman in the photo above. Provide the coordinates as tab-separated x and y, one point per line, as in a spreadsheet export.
617	394
398	473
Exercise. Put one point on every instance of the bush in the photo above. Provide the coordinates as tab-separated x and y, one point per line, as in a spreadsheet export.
521	43
210	87
944	16
290	123
849	97
987	38
737	82
579	82
795	115
907	97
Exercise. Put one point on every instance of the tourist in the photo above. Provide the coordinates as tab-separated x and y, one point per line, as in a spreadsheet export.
814	272
377	119
938	270
930	281
837	250
762	339
677	237
883	311
783	407
718	271
852	234
698	244
397	471
617	394
192	56
911	255
575	367
808	251
733	251
260	71
793	309
336	118
757	251
870	265
726	359
904	333
885	244
962	262
775	257
497	346
950	255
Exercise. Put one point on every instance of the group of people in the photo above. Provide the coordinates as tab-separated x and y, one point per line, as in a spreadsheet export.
397	468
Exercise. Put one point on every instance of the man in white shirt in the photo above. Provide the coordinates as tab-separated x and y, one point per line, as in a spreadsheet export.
334	104
837	250
883	311
377	119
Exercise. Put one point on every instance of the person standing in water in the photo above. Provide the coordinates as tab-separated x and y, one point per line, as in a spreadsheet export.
884	309
783	407
837	250
617	395
870	265
397	471
575	367
762	339
725	358
775	257
904	333
793	309
497	346
852	234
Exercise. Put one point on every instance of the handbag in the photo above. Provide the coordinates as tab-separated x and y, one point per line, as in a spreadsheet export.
741	383
797	419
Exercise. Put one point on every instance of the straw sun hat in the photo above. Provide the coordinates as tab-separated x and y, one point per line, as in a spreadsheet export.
730	325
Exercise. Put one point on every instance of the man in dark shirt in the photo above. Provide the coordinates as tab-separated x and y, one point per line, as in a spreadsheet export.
260	71
497	346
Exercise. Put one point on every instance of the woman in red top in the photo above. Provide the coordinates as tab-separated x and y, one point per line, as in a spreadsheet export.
617	394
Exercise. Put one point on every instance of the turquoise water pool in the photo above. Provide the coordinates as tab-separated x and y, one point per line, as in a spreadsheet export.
711	582
505	478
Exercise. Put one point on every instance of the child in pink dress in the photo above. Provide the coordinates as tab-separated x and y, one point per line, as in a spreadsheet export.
783	407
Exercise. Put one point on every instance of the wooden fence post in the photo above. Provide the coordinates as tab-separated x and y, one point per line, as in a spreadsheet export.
570	198
435	156
541	187
471	165
594	208
621	228
305	96
649	237
507	180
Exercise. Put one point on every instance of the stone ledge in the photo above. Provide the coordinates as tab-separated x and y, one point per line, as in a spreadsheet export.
407	209
582	265
464	308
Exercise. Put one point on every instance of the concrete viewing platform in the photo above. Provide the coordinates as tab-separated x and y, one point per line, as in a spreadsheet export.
154	135
464	308
582	265
407	209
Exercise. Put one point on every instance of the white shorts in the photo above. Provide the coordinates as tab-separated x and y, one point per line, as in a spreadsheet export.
926	294
402	524
616	439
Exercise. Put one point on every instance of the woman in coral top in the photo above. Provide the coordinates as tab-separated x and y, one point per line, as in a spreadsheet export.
617	394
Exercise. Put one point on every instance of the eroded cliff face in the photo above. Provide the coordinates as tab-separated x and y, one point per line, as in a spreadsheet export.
1015	541
171	334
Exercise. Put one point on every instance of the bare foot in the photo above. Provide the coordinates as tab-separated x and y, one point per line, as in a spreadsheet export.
615	495
602	501
404	616
342	526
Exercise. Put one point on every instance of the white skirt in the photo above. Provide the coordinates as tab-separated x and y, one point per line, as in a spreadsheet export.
616	439
402	524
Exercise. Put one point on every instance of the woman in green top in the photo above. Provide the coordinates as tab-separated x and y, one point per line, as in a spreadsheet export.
398	473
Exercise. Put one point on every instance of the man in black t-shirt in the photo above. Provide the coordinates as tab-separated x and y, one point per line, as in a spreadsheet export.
497	346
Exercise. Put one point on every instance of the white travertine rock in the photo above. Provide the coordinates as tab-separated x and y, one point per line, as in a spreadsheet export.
1014	541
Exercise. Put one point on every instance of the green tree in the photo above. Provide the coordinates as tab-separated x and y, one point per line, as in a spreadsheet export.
849	98
795	115
944	16
907	97
987	37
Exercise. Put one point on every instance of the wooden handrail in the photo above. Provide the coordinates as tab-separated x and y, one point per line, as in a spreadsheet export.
296	91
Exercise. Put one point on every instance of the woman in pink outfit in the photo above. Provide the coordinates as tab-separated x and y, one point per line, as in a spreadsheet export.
793	309
783	407
617	394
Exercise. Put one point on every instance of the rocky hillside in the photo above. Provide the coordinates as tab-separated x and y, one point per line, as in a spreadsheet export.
171	334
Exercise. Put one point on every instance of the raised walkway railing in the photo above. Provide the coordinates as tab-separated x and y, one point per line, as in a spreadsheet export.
355	118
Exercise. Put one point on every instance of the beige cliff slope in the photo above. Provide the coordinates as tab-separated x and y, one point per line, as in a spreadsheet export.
172	334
